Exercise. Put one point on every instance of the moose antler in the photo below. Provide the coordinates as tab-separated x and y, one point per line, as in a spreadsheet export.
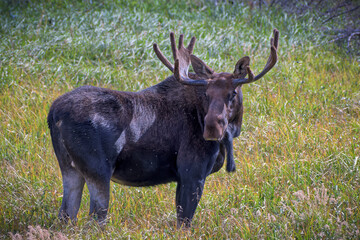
182	59
269	65
181	53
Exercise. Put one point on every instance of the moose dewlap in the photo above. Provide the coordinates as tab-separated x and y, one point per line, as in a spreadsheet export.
178	130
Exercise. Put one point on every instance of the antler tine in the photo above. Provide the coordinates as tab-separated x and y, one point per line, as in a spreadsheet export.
181	41
276	38
177	70
269	65
273	43
191	45
173	45
162	58
250	74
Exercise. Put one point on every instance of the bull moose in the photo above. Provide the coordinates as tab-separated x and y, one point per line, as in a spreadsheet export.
177	130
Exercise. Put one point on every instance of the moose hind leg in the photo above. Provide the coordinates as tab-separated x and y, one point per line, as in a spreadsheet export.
73	185
99	198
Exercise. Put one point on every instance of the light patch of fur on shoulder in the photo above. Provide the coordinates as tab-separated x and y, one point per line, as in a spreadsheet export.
143	118
99	120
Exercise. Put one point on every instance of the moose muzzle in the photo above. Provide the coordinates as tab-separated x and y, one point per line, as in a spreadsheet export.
215	126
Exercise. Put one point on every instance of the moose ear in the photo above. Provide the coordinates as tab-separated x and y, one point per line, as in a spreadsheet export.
200	68
240	67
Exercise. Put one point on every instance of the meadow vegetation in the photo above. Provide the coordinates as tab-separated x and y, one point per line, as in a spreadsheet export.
298	170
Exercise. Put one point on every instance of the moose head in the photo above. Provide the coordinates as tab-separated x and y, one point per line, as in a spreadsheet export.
221	88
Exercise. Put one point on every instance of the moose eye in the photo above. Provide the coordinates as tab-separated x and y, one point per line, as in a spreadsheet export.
232	96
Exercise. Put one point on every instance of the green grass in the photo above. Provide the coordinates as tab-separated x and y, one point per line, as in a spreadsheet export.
297	157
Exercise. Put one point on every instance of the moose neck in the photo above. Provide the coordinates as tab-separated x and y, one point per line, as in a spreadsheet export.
188	100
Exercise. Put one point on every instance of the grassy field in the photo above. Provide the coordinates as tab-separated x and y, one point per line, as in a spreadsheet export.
297	158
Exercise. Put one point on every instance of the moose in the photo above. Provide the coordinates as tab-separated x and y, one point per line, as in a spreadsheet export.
177	130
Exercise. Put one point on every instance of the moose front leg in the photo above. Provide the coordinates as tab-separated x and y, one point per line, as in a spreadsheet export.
192	170
188	194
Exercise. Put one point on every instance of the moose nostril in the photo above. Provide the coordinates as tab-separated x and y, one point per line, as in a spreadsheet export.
221	120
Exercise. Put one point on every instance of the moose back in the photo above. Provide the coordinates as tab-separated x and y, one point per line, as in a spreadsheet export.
178	130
